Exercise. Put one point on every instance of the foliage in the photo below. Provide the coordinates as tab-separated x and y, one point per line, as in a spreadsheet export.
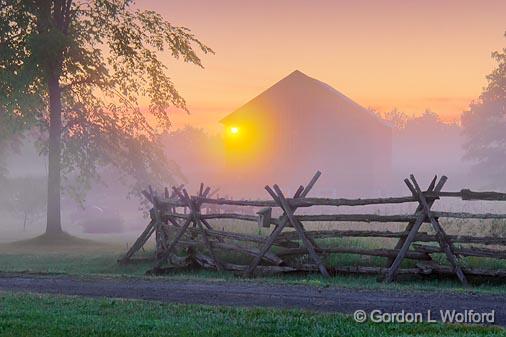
485	125
428	120
190	147
10	142
396	118
107	58
26	198
3	170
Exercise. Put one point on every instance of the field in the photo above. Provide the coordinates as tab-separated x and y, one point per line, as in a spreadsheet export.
101	260
41	315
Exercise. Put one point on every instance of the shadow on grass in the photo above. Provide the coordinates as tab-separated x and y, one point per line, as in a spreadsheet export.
55	243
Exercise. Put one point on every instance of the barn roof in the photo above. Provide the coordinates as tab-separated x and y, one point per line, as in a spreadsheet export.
301	95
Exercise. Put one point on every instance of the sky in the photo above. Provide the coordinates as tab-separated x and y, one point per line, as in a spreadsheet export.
413	55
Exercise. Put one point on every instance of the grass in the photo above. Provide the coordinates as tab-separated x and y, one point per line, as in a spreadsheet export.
42	315
56	239
103	264
86	258
58	242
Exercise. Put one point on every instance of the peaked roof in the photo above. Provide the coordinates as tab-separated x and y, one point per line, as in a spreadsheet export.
300	95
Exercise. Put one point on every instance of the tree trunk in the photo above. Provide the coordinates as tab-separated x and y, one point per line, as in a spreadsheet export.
54	166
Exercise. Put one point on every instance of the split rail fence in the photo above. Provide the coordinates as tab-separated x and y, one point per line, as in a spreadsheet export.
181	225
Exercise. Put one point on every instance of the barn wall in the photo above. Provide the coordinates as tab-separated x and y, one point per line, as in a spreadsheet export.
303	125
354	158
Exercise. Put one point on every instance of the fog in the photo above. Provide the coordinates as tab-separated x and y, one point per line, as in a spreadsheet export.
282	136
424	146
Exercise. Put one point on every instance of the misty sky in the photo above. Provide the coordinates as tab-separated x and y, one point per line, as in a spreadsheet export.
409	54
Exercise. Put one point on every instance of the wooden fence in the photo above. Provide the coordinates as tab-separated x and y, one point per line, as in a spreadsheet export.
179	222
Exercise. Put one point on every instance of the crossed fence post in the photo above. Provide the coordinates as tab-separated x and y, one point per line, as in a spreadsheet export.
423	214
151	228
194	205
160	215
285	219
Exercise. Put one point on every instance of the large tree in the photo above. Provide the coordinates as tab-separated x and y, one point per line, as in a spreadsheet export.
77	70
485	125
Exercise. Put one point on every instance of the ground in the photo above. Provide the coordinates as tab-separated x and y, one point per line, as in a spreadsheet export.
96	274
41	315
254	294
84	292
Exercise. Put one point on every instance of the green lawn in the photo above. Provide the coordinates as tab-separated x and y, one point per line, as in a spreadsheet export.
43	315
74	256
104	264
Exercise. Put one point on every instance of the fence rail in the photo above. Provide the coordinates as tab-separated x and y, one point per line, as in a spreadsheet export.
180	222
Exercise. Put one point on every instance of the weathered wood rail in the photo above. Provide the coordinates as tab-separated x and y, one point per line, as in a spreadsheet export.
180	225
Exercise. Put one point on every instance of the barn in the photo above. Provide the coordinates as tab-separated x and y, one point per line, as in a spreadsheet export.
300	125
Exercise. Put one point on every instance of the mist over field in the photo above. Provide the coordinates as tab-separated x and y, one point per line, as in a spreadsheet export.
94	138
422	145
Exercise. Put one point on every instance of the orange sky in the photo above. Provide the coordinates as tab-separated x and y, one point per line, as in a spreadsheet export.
383	54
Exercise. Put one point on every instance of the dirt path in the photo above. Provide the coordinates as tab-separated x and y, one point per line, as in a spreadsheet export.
251	294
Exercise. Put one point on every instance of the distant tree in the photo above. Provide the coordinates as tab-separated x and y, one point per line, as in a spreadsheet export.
396	118
484	125
427	121
10	141
195	152
4	129
26	198
3	170
77	70
23	197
